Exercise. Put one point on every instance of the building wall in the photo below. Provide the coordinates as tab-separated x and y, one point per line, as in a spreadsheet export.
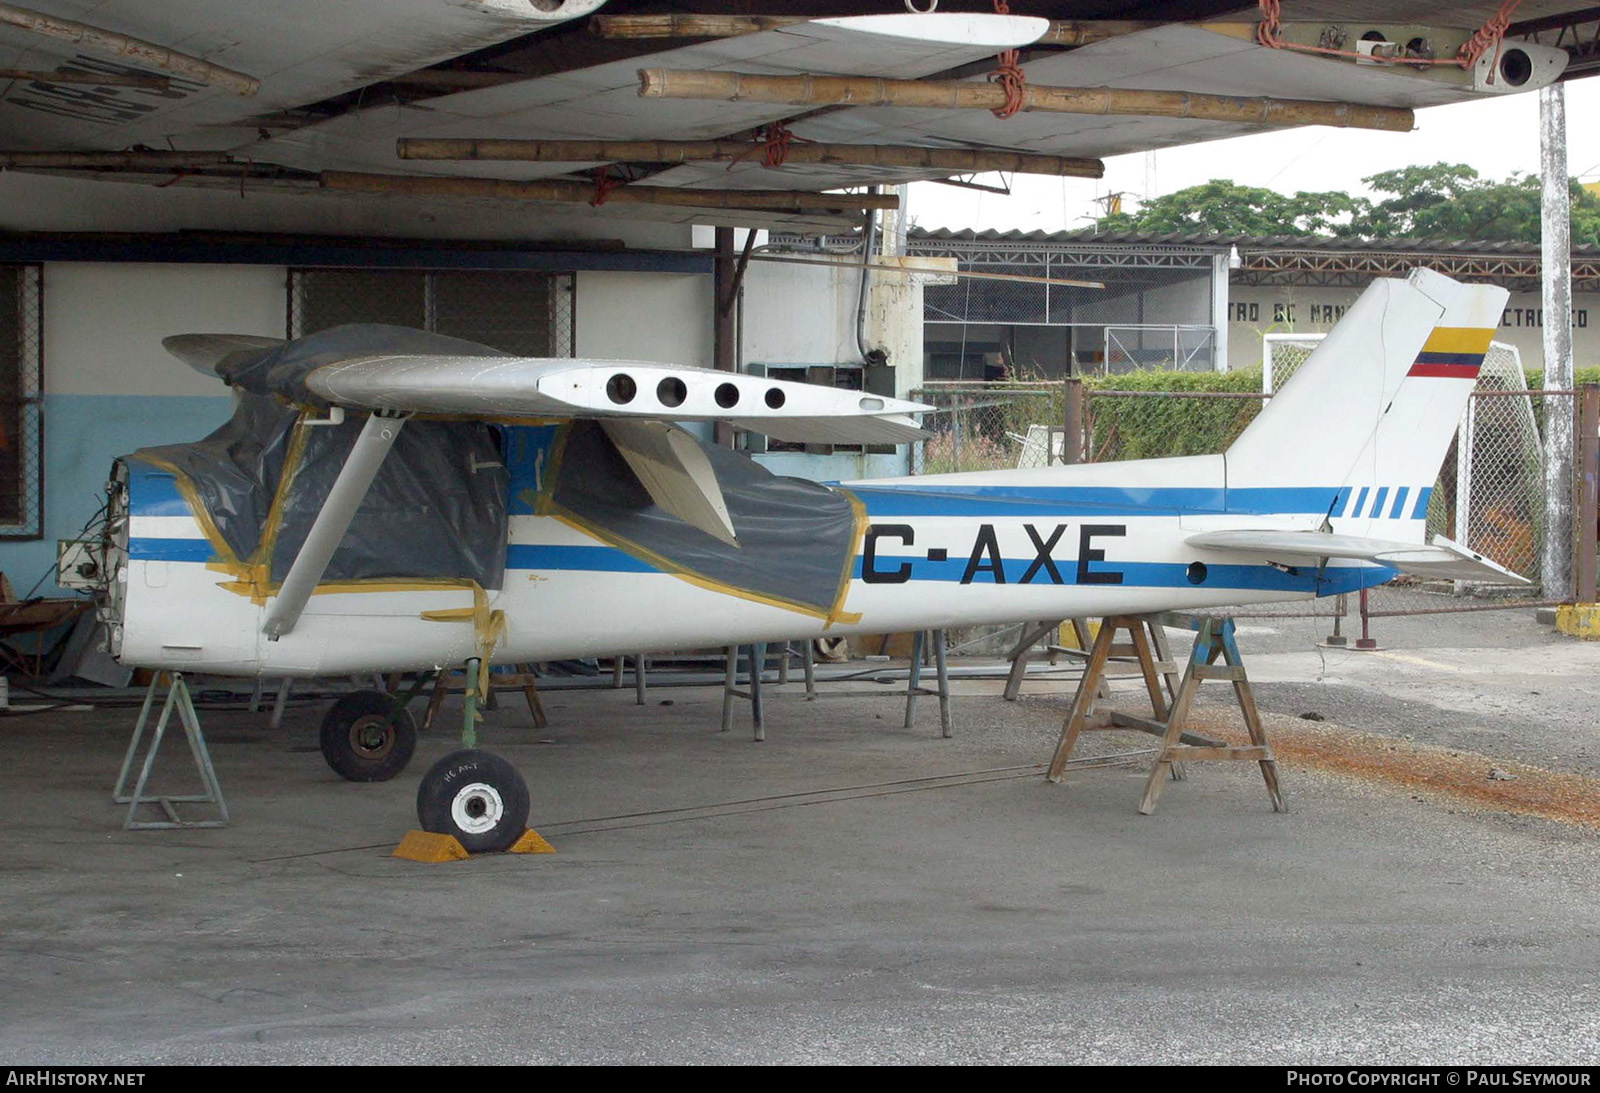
109	387
645	316
803	315
1256	310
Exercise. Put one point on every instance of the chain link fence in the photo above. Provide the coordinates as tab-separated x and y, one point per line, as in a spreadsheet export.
990	426
21	403
1492	494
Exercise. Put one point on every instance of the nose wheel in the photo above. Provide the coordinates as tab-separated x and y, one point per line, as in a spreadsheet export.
475	796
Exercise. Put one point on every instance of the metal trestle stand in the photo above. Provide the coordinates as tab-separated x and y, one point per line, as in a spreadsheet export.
177	700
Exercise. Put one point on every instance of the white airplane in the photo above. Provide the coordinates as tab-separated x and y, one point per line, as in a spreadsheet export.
389	500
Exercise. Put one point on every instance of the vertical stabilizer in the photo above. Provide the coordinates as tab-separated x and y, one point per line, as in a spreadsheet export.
1370	414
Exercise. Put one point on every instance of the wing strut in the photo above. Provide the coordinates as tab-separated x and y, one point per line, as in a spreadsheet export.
333	520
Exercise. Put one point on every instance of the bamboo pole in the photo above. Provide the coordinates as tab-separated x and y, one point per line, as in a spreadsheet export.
565	192
687	151
929	271
811	91
102	79
127	161
124	45
1062	32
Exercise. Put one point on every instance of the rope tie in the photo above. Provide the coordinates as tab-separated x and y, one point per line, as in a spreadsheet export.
1012	81
1491	33
772	142
604	183
1008	74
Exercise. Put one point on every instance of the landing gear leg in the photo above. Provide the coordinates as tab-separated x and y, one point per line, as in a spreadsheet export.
474	795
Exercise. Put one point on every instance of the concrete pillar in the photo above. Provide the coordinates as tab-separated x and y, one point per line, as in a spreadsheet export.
1555	255
1219	311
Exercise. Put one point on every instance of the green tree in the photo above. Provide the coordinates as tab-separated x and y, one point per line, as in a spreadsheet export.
1439	201
1222	207
1451	201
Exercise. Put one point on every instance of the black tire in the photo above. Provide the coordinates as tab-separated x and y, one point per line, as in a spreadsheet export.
476	796
360	741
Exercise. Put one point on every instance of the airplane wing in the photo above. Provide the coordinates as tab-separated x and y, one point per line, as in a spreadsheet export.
1439	558
206	353
638	390
477	381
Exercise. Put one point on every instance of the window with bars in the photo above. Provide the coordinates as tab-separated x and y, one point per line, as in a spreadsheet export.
21	407
523	313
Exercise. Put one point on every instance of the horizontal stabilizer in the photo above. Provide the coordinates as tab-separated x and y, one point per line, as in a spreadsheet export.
639	390
204	352
1441	558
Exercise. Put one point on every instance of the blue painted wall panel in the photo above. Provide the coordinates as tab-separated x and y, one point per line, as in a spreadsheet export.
82	435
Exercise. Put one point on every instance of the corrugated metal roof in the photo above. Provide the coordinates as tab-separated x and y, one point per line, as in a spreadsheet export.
1223	242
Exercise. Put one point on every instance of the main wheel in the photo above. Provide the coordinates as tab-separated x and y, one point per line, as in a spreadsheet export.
362	743
476	796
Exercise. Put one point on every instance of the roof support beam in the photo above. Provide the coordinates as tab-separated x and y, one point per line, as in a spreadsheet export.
808	90
564	192
136	50
149	160
799	151
1062	32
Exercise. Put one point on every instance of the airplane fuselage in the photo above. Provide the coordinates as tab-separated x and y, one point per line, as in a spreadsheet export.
921	553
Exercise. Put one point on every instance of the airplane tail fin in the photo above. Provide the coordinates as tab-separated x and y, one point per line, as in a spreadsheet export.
1369	416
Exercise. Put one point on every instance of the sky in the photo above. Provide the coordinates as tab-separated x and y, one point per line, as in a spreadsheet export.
1497	136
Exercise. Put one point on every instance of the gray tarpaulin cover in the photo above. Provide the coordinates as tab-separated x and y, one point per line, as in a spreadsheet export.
437	508
795	537
283	369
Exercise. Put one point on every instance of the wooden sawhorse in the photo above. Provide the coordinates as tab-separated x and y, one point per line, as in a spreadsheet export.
522	679
1215	639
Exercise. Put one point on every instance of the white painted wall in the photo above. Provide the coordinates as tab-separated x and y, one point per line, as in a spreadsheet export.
1257	310
806	315
663	317
800	314
103	322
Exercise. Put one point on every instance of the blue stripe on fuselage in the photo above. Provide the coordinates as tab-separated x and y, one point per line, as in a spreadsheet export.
1135	574
596	559
1251	578
1004	501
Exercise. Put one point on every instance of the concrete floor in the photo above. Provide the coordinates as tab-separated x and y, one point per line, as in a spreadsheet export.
848	891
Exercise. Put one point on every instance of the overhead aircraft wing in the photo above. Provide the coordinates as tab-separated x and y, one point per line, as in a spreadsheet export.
1439	558
601	101
300	51
629	390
